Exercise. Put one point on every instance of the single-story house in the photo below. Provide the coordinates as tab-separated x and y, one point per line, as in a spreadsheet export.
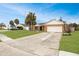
50	26
3	26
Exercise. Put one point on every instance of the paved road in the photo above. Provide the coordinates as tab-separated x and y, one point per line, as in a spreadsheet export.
43	44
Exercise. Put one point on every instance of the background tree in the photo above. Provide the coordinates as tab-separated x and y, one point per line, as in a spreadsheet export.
16	21
66	27
12	25
73	25
30	20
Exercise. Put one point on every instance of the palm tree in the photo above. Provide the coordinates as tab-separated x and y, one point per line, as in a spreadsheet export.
30	20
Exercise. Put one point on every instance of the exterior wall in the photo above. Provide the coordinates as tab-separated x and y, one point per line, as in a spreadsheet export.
50	28
40	28
36	28
45	28
63	28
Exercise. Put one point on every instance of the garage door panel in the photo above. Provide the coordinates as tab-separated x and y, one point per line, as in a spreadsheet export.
54	28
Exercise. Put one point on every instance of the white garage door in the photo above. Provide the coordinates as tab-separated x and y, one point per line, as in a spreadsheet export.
54	28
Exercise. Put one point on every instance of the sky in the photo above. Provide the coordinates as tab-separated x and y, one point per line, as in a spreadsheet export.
43	11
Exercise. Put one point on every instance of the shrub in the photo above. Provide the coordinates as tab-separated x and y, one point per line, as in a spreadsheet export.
77	29
13	29
20	28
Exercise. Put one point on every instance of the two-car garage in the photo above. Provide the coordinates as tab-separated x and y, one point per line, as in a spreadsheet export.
54	26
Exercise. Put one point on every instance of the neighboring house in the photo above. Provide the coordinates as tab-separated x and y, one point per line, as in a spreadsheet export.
3	26
12	27
18	27
51	26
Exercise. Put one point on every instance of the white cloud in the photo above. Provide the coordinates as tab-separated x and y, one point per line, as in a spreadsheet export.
13	7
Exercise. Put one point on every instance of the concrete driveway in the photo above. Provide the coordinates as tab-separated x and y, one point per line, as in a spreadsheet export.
43	44
7	50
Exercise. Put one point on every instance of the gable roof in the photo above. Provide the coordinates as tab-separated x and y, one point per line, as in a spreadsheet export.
54	22
51	22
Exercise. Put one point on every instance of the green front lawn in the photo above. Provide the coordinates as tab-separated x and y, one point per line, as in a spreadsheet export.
70	43
18	33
